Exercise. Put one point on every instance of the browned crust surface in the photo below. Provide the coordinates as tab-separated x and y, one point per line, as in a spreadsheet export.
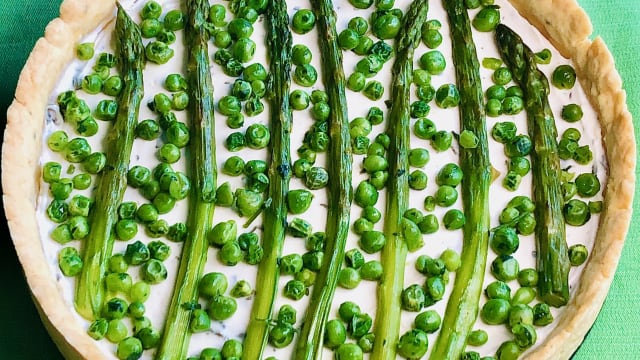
20	176
568	30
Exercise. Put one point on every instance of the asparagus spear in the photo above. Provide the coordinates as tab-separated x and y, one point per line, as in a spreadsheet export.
279	42
309	344
394	253
462	308
552	254
112	182
175	340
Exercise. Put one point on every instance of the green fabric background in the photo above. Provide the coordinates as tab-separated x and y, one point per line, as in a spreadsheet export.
616	333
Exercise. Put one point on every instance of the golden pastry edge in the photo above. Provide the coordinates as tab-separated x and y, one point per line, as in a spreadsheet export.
568	30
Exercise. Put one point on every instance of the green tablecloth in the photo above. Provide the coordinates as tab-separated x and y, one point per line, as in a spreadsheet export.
616	333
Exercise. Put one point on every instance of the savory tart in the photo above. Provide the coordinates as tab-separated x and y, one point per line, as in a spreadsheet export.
262	179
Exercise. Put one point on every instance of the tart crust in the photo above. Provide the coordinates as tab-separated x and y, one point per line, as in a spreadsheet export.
568	30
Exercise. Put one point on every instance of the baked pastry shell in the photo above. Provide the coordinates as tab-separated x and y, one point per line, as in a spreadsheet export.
569	30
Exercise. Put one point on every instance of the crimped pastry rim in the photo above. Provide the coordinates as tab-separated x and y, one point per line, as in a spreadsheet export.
569	31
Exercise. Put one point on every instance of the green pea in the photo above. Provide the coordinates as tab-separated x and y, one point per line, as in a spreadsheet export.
453	219
520	314
92	84
253	107
106	59
153	271
305	75
303	21
542	315
361	4
361	225
365	194
371	270
528	277
578	254
139	292
428	321
281	335
300	228
372	241
61	189
477	337
58	211
359	325
491	63
434	288
320	111
179	101
519	165
349	278
335	334
451	260
354	258
372	214
69	261
429	224
572	112
418	180
446	196
495	311
523	295
563	77
520	146
295	289
373	90
447	96
98	329
498	290
116	331
486	19
468	140
419	109
413	344
431	37
379	179
496	92
576	212
240	28
450	174
61	234
222	233
254	72
587	184
430	266
386	26
229	105
222	307
433	62
349	351
543	57
512	105
243	49
148	130
301	55
505	241
158	52
505	268
235	141
583	155
508	350
136	253
441	140
57	141
290	264
169	153
77	150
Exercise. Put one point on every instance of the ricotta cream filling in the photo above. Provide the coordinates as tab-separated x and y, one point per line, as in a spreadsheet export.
144	153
